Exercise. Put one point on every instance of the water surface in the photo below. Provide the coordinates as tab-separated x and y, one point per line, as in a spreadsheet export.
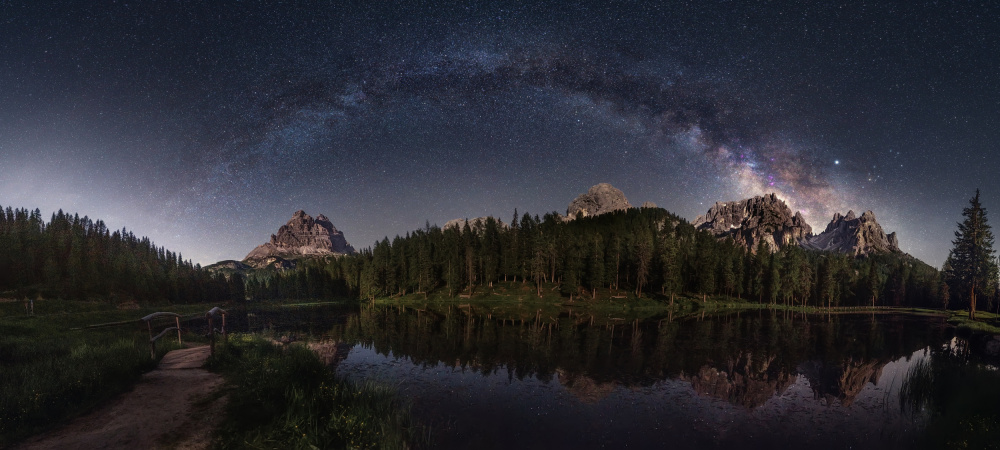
747	380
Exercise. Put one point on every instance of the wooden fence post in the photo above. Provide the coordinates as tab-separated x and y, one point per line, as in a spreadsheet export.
211	332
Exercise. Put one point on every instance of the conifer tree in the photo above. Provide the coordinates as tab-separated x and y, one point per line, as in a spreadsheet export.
773	279
671	268
643	256
971	266
595	267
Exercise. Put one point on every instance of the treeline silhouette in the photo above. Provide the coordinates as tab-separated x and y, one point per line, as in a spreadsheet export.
73	257
647	252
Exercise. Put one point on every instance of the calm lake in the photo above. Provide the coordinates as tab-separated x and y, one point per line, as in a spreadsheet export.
758	379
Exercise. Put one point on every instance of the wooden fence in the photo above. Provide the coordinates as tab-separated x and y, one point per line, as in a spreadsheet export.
210	317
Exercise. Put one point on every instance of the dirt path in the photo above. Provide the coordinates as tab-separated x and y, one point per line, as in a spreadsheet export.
174	406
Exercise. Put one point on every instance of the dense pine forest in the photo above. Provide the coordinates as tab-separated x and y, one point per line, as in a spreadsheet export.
645	252
73	257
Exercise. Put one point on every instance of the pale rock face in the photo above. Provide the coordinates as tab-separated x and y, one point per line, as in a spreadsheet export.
754	220
600	199
854	235
301	236
648	205
273	262
231	265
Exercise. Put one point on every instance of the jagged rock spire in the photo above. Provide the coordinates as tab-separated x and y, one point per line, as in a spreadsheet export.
854	235
302	236
754	220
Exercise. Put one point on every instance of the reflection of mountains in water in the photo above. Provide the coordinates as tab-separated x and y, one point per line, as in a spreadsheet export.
584	388
743	382
331	352
743	359
841	382
745	385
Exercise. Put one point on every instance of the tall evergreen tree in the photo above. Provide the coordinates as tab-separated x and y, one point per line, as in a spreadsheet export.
671	267
972	266
643	256
595	266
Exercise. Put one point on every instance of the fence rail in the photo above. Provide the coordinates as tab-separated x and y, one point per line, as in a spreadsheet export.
149	326
209	317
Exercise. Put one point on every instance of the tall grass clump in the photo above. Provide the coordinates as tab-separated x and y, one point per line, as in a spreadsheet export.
49	373
960	399
286	398
52	369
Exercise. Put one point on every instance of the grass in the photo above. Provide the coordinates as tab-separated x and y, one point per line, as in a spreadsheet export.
52	371
986	322
286	398
961	399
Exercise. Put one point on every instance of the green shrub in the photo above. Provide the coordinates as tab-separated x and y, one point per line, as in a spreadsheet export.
286	398
51	370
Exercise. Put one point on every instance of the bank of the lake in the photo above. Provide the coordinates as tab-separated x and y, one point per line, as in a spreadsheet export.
757	378
522	301
54	368
283	396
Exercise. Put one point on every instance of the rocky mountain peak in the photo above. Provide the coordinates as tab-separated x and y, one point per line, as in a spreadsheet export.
854	235
301	236
754	220
600	199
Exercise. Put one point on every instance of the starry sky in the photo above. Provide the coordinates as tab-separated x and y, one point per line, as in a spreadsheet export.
205	125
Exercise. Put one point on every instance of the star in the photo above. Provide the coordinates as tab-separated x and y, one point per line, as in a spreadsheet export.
371	113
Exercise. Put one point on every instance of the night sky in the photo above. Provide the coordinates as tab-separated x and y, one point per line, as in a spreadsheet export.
205	127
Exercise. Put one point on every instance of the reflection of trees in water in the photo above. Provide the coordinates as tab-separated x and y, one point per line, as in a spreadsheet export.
744	359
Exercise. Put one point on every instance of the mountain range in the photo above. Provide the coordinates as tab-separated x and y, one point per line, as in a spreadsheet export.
751	223
767	219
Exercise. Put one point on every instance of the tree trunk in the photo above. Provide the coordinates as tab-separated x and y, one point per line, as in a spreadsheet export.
972	303
618	263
